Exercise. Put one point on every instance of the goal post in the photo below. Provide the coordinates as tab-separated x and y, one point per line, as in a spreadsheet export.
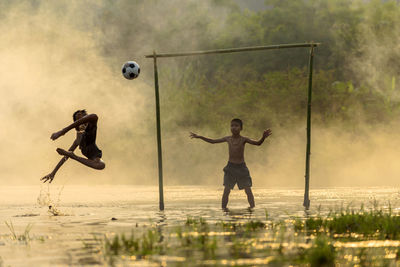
311	45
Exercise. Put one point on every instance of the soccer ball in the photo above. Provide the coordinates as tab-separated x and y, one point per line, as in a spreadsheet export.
130	70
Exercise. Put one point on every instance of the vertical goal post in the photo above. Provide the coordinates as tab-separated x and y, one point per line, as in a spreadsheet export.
311	45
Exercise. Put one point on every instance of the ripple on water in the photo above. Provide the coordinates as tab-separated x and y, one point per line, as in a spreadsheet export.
80	212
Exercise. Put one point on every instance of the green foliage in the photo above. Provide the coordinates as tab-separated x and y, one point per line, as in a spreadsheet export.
254	225
147	244
240	248
318	240
279	99
195	237
356	67
374	223
353	83
322	253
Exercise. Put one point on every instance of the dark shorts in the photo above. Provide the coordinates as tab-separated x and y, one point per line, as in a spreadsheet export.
91	151
237	174
88	143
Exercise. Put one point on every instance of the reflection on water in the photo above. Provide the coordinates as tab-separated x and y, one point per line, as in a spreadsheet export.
95	211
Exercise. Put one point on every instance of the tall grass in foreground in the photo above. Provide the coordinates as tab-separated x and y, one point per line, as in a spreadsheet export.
367	224
338	238
146	244
24	237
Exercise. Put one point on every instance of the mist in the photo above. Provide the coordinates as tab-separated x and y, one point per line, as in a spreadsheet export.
61	56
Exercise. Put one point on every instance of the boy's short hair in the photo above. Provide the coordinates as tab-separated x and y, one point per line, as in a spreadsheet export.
238	121
76	113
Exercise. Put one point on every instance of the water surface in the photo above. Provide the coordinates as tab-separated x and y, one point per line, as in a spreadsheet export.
85	212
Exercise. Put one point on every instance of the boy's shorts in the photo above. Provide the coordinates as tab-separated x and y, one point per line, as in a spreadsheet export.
91	151
237	173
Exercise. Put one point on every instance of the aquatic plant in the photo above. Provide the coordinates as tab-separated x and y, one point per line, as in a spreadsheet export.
322	253
314	241
246	228
24	237
147	244
254	225
374	223
240	248
196	237
190	221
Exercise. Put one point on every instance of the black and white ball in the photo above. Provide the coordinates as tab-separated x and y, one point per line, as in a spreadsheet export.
131	70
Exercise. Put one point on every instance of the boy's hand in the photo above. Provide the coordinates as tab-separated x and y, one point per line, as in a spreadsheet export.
48	177
193	135
56	135
267	133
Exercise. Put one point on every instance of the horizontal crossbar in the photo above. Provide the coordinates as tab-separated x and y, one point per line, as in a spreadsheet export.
233	50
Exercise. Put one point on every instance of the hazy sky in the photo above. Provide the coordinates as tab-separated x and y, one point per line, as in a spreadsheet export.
60	56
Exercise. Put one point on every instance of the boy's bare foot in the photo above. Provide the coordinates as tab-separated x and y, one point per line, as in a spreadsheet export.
225	209
250	209
64	152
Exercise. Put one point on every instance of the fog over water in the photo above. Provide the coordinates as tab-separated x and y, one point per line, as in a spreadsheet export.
60	56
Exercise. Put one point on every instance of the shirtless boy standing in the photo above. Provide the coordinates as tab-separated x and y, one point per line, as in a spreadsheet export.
236	170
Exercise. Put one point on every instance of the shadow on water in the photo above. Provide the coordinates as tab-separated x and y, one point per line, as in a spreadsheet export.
161	218
27	215
161	223
239	214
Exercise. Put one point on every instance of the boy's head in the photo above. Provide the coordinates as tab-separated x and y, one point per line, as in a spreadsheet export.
79	114
236	126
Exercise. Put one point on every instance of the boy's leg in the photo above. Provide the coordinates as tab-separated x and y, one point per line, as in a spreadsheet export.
225	197
250	197
95	164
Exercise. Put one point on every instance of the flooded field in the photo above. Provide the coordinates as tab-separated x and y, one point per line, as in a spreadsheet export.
121	225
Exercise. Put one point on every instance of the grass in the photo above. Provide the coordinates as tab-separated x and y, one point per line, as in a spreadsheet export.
24	237
322	253
148	243
314	241
375	223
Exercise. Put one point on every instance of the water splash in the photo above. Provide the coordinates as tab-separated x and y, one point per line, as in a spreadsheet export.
45	200
55	211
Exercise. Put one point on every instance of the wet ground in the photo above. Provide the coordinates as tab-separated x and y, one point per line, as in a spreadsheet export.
80	213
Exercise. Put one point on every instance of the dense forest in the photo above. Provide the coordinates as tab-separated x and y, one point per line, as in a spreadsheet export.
357	66
49	71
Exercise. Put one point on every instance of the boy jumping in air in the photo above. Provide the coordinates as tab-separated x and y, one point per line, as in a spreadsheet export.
86	130
236	170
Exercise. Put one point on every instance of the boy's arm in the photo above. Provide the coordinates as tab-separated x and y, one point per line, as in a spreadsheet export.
259	142
49	177
88	118
208	140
